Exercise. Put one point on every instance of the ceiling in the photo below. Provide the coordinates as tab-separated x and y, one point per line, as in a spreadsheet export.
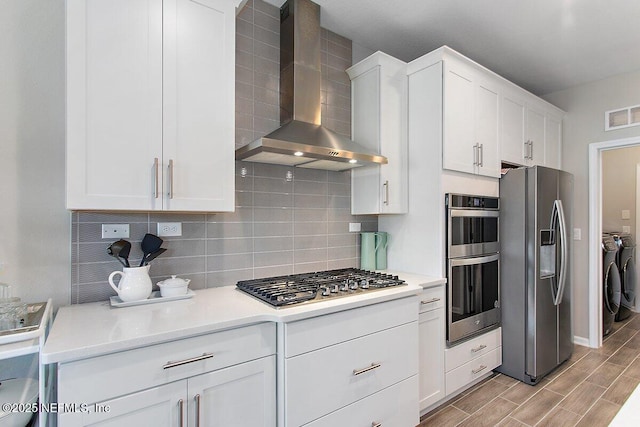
541	45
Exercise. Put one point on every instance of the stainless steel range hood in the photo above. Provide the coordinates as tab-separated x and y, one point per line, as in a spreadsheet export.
301	141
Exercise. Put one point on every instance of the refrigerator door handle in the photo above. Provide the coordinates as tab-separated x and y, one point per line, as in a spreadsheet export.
559	210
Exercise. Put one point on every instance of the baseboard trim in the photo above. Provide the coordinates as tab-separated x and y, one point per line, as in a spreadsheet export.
581	341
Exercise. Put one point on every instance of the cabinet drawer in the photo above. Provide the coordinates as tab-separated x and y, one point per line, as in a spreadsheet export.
473	370
468	350
103	377
431	299
393	406
343	373
322	331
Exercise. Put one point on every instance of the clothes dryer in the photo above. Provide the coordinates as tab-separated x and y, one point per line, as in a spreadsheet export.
627	269
611	286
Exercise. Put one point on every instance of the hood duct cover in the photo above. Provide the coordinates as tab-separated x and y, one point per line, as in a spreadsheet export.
301	141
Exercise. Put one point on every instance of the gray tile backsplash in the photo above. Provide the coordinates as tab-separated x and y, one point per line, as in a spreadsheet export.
281	225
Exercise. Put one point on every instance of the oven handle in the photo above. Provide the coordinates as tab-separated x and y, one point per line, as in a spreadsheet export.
456	262
474	213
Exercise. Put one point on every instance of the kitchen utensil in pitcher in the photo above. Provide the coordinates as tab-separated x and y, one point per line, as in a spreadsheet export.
124	253
114	250
135	283
150	243
153	255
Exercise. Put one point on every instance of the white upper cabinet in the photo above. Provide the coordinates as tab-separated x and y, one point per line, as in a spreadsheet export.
150	104
379	122
470	140
531	132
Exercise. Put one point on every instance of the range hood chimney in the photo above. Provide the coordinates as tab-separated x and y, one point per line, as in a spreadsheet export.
301	141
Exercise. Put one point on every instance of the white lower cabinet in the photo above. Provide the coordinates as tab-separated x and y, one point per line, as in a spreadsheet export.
472	359
431	328
202	381
356	357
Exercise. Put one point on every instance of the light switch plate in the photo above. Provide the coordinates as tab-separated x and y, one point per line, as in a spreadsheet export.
626	214
113	231
577	234
355	227
626	229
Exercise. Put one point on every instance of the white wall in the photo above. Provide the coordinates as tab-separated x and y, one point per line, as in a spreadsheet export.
584	124
34	225
619	188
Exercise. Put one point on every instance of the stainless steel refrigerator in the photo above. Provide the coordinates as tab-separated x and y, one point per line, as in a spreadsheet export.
535	277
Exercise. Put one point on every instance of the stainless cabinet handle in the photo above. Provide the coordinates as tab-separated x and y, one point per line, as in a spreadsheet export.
526	149
430	301
480	369
155	168
531	150
475	155
185	361
181	411
171	179
367	369
478	348
376	424
197	399
386	192
481	155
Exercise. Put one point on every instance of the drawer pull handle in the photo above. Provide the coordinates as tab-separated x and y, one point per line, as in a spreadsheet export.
480	369
185	361
478	348
181	411
376	424
430	301
367	369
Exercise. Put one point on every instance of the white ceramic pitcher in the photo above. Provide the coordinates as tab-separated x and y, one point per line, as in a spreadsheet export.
135	283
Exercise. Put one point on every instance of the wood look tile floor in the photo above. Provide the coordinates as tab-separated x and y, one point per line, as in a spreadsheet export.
586	390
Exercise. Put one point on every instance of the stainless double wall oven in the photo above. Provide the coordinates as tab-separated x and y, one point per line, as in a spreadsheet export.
473	265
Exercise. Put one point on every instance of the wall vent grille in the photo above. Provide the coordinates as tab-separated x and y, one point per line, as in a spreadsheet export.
622	118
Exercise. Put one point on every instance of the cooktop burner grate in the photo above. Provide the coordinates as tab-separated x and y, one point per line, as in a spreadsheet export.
283	291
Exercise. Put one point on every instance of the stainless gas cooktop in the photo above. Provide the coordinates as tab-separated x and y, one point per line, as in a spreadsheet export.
284	291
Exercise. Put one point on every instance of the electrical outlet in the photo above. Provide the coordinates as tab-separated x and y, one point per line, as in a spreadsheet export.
168	229
577	234
112	231
354	227
626	214
626	229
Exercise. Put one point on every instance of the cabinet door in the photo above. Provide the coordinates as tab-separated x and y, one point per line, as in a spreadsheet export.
157	406
552	141
431	326
459	152
242	395
365	129
114	103
535	135
512	141
394	175
198	102
486	129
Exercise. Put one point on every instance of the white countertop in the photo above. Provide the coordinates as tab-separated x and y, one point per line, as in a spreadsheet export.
88	330
629	414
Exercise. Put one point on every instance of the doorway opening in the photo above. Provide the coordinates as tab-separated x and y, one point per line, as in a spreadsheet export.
595	232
